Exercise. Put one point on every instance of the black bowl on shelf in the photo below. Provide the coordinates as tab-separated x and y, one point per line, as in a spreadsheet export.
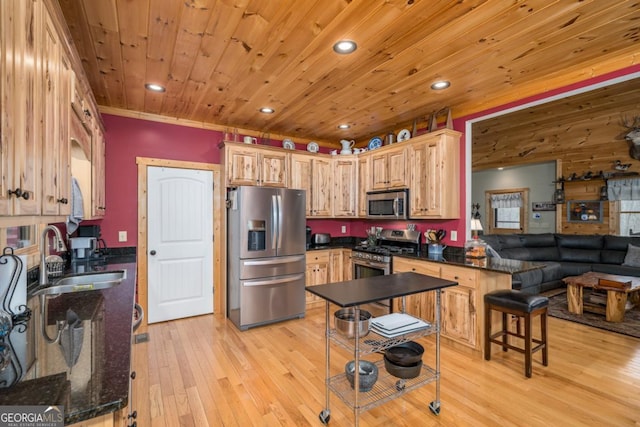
406	354
404	372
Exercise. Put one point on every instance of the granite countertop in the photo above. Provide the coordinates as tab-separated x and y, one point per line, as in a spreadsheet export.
93	379
455	256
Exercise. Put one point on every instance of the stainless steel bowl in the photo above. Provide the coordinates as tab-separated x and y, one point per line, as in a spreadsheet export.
345	322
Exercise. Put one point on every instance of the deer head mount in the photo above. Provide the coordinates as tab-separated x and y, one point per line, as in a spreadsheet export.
633	136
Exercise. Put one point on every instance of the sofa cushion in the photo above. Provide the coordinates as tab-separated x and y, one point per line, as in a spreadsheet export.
621	270
528	278
620	243
510	241
493	240
574	268
579	255
612	257
632	258
580	241
538	240
516	253
543	254
552	271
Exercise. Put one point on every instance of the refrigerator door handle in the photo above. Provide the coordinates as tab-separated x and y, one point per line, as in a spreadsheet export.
274	218
280	220
273	281
271	261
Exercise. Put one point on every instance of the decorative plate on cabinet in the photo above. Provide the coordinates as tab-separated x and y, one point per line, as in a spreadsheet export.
288	144
375	142
312	147
403	135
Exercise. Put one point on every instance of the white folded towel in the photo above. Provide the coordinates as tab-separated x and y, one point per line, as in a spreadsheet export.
77	207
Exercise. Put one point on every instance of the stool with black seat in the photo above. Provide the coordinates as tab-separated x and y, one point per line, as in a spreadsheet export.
523	306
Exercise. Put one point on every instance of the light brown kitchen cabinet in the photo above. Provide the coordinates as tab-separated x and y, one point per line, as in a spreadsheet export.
20	135
364	183
462	314
347	264
389	168
257	166
315	175
316	273
420	305
434	160
345	187
54	80
98	205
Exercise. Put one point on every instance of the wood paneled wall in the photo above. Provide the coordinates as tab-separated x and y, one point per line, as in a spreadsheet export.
584	133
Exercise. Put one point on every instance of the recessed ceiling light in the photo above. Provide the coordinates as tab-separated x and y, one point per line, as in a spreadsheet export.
267	110
443	84
154	87
344	126
345	46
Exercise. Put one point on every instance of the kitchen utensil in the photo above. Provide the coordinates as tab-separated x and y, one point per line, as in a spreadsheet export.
367	371
431	236
344	321
374	143
403	135
441	234
390	138
404	372
313	147
250	140
406	354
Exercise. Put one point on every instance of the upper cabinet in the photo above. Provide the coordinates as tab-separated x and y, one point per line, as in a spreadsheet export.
21	154
345	187
364	183
313	173
54	80
434	160
251	165
37	75
388	168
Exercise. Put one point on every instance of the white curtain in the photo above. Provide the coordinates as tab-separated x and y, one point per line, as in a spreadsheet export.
623	189
506	200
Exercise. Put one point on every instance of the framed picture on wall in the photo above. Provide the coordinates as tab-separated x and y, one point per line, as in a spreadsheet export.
584	211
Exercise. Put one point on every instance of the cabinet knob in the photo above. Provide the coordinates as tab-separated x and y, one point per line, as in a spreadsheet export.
133	375
19	193
133	415
63	201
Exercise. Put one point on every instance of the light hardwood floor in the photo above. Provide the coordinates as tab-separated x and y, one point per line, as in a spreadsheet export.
202	371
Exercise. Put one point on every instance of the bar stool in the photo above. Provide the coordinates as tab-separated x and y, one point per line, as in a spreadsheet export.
524	306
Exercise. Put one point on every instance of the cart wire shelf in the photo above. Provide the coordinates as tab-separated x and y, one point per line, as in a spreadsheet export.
373	343
386	388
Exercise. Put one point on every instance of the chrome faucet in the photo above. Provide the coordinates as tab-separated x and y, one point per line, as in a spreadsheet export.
44	277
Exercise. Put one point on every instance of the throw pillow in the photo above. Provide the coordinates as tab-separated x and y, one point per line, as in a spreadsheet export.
632	258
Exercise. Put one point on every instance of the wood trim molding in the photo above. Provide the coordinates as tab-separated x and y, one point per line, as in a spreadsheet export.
219	278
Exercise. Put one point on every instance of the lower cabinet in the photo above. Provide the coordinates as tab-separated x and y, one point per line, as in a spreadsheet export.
326	266
462	309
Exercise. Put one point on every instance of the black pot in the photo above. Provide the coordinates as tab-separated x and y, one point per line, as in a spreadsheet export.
405	354
404	372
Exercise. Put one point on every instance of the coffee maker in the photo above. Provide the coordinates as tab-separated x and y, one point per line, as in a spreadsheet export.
83	248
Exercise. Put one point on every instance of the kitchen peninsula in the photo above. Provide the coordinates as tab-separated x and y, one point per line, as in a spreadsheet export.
462	306
90	379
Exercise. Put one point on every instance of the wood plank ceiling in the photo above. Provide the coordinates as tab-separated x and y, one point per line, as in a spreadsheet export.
221	60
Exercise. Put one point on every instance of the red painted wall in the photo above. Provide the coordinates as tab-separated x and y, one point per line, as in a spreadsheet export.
128	138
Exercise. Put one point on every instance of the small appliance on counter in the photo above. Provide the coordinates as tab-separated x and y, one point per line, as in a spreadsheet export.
320	239
83	248
308	231
85	231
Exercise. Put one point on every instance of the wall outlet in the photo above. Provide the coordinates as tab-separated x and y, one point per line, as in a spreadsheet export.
453	236
344	229
122	236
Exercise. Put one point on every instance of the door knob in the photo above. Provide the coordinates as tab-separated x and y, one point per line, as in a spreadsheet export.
152	252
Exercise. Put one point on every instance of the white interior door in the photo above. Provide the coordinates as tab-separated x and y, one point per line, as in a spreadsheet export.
180	243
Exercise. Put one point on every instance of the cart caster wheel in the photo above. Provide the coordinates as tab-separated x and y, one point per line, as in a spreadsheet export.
435	407
325	416
400	385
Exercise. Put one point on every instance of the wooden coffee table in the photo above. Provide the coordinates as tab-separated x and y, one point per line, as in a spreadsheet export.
619	289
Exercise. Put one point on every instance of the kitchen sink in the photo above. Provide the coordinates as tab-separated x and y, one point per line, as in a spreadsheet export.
83	282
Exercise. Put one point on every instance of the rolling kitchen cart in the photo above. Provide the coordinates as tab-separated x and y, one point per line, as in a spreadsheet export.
354	293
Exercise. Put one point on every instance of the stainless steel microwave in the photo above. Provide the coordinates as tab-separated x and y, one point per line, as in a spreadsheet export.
388	204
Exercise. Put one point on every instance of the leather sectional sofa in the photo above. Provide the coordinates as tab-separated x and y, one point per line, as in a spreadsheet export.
564	255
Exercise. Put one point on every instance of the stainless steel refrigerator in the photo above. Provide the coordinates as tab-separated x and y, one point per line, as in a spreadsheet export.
266	245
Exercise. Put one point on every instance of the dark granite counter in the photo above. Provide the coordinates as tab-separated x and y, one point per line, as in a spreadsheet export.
90	373
455	256
500	265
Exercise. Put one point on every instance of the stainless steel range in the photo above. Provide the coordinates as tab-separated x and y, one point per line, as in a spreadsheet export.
371	261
